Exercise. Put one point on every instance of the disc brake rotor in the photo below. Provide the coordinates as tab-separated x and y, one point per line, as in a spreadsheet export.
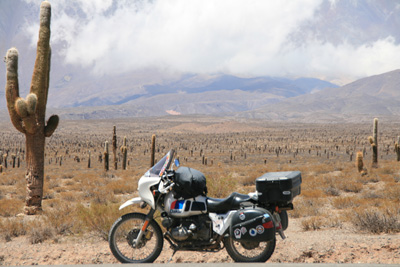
133	234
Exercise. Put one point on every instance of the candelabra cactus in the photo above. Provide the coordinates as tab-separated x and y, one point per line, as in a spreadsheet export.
374	143
28	115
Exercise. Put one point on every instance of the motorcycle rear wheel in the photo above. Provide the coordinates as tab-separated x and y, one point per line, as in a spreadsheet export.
284	219
250	251
125	230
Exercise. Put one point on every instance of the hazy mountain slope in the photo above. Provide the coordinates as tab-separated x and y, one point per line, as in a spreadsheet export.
375	95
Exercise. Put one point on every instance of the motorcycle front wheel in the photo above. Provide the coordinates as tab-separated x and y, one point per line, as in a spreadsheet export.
249	251
123	233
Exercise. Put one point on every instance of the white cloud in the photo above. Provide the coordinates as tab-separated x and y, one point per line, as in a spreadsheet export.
233	36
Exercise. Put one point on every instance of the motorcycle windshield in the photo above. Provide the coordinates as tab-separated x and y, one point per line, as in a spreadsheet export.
159	168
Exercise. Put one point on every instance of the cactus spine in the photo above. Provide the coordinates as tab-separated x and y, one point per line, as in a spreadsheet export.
28	115
153	149
374	144
124	152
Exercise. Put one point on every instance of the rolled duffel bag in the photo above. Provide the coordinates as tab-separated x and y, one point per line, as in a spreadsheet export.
189	183
252	224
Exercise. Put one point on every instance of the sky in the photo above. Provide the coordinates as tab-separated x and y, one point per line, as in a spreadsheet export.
246	38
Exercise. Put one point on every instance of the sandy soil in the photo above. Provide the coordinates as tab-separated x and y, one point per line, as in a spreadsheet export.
322	246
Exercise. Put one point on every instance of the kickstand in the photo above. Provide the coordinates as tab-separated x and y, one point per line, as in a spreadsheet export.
173	253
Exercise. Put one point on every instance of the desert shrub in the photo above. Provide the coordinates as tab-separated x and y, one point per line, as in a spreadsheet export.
375	220
345	202
9	179
67	176
351	186
12	227
221	186
40	231
332	191
313	193
306	207
69	196
69	182
52	184
99	195
63	219
312	223
392	191
122	187
333	221
387	170
248	180
10	207
372	194
98	218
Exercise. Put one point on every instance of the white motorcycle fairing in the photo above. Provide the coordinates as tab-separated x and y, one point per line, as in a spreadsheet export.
145	194
132	201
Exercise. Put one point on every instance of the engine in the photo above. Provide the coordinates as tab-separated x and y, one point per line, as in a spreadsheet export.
186	229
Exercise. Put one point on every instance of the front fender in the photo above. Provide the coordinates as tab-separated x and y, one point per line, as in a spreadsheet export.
135	200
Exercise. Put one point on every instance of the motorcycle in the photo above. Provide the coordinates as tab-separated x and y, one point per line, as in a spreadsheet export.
245	225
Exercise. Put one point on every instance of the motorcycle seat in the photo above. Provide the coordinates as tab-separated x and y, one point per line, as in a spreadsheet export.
222	205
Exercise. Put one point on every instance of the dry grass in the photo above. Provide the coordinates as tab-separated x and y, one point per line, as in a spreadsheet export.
98	218
10	207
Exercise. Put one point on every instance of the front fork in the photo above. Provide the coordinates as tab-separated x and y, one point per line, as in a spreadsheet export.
149	217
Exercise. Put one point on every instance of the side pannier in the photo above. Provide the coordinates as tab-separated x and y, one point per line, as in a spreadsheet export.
253	225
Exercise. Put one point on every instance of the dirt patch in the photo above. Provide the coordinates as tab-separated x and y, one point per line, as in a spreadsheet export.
323	246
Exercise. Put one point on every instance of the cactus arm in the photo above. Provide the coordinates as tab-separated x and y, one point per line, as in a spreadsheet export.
12	88
40	79
51	126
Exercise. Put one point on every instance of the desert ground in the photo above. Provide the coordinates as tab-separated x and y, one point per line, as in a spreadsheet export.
341	216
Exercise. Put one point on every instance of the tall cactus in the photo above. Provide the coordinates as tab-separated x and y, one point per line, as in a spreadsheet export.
397	148
153	150
124	152
114	144
374	143
28	115
106	157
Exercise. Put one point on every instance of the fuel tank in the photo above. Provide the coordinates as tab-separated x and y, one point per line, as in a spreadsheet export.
180	208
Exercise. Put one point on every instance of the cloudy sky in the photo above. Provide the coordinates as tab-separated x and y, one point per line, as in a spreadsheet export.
241	37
